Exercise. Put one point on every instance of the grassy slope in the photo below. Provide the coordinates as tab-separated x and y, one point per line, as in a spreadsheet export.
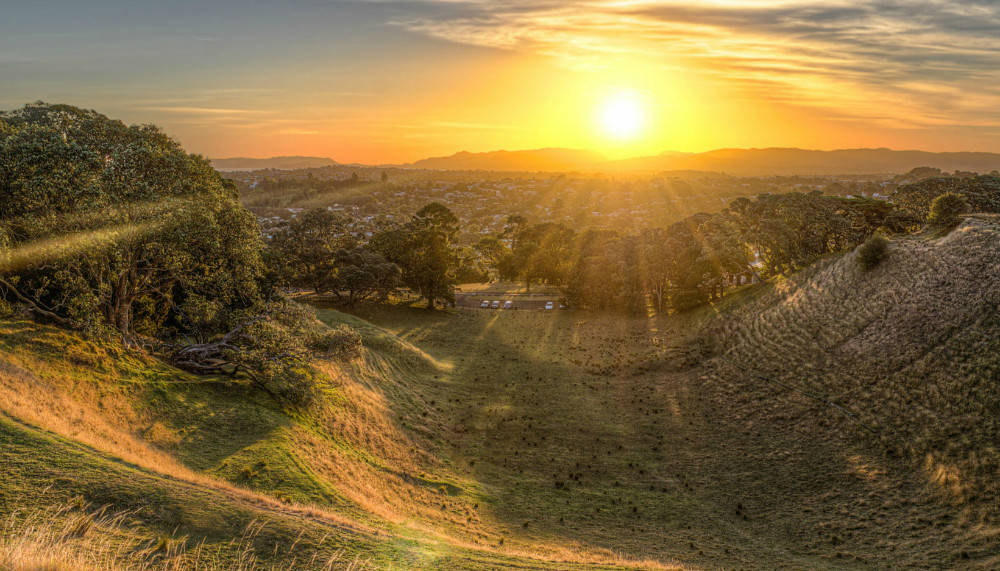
470	439
596	429
86	423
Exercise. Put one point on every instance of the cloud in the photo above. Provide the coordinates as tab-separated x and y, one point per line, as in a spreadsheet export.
908	63
188	110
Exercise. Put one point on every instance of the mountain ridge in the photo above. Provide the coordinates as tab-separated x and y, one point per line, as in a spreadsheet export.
289	162
735	161
766	161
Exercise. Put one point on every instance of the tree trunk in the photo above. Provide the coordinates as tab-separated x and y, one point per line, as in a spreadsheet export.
119	307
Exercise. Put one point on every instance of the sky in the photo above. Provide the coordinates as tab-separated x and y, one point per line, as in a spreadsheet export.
385	81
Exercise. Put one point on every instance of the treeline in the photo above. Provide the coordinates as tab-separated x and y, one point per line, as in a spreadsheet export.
692	261
678	267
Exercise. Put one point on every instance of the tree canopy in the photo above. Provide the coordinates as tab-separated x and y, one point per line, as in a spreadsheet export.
110	225
424	248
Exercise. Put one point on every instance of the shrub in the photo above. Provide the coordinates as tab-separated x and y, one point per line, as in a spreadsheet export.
686	299
946	209
343	342
873	251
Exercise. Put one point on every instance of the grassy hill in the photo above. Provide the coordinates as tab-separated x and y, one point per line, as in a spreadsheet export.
835	419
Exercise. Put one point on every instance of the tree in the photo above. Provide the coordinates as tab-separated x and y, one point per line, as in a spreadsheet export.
274	349
543	253
946	209
654	264
362	274
109	225
306	247
494	254
425	252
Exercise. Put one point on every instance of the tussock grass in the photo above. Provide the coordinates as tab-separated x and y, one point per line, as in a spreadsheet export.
70	538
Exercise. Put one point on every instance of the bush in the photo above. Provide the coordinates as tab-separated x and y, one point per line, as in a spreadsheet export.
946	209
342	342
686	299
873	251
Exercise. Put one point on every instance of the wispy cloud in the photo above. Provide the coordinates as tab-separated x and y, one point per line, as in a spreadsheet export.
187	110
904	63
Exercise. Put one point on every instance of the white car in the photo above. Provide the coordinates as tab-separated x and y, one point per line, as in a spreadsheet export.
508	304
495	305
485	304
548	305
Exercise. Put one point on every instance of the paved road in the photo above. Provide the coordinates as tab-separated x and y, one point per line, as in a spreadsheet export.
472	300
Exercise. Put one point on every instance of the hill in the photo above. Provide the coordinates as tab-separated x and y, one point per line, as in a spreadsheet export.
282	163
737	162
523	161
895	370
834	419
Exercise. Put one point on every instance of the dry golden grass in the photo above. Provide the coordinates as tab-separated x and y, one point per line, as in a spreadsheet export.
48	396
68	538
372	441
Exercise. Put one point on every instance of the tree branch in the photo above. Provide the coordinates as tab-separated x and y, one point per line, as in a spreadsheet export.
35	305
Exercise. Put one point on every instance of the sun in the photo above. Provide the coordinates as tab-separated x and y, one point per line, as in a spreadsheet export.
622	115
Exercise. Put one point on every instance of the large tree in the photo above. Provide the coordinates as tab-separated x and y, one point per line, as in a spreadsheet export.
424	248
110	225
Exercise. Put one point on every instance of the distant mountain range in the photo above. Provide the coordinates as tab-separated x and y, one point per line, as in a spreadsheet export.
284	163
533	160
738	162
762	162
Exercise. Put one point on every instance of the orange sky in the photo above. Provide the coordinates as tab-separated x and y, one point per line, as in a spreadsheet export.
394	81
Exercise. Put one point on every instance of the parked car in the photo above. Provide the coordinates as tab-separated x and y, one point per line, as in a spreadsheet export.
548	305
485	304
508	304
563	306
495	305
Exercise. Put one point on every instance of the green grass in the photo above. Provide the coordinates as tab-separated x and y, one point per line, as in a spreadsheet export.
466	439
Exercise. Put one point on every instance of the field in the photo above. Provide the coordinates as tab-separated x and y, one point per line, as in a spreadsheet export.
767	432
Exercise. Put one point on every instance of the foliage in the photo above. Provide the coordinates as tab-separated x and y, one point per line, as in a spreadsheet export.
361	274
873	251
306	247
425	251
341	342
685	299
694	260
274	350
981	192
115	226
946	209
540	253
